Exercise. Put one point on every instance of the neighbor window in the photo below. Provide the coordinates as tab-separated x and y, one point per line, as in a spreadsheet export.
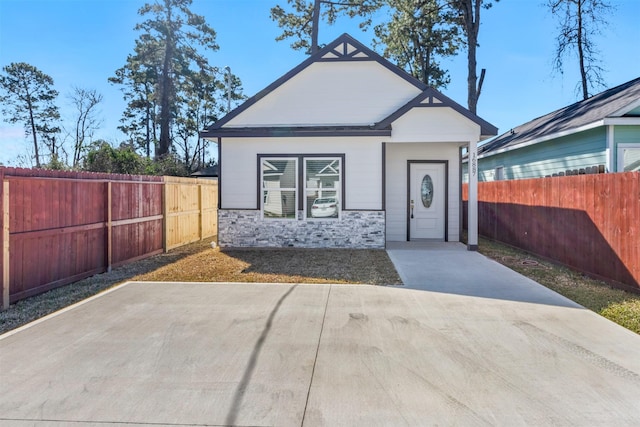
279	187
629	158
311	184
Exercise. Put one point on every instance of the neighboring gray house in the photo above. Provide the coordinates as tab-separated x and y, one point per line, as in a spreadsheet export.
345	150
600	133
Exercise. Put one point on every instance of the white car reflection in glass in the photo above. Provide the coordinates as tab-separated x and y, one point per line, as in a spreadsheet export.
326	207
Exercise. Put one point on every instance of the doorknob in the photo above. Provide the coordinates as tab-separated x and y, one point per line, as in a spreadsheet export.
412	206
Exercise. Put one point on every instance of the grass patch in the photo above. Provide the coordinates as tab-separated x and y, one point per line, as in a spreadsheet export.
616	305
199	262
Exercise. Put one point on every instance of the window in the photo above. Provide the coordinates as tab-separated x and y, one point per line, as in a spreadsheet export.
311	184
499	173
279	187
629	157
322	184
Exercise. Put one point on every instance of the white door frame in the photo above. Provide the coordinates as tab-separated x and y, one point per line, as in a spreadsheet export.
446	195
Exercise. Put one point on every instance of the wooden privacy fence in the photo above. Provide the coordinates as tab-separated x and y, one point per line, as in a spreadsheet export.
59	227
588	222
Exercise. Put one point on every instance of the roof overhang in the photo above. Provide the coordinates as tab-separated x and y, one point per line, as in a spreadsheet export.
613	121
297	131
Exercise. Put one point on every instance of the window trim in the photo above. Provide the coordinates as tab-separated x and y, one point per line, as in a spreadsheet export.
301	184
338	191
620	153
261	189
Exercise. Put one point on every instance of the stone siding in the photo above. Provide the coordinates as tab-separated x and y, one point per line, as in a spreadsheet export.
355	229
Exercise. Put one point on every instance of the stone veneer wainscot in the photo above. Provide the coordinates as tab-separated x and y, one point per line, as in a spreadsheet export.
355	230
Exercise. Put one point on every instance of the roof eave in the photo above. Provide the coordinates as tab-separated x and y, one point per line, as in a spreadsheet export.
289	132
545	138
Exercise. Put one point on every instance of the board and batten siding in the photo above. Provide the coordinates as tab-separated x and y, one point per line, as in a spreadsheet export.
331	93
546	158
397	155
363	167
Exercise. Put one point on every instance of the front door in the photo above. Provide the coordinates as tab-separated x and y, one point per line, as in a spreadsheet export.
427	200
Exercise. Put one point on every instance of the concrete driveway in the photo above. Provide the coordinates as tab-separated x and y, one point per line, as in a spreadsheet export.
450	353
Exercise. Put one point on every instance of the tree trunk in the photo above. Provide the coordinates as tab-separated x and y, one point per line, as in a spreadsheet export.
583	73
314	26
472	22
166	89
33	132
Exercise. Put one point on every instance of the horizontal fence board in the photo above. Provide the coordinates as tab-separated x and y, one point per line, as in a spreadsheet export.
588	222
65	226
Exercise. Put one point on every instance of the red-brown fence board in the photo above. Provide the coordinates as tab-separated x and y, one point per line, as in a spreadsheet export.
64	226
588	222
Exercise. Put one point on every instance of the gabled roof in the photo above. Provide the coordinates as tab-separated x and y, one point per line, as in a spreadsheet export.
620	101
432	98
344	48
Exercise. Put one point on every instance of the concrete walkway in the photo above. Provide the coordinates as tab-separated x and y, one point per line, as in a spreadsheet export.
466	342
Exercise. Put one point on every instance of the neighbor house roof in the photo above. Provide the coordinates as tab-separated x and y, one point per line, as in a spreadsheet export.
344	48
601	109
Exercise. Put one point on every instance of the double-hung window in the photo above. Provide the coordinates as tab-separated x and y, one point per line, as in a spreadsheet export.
322	187
279	178
310	184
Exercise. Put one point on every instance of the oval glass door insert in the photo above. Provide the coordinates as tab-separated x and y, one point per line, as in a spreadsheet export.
426	191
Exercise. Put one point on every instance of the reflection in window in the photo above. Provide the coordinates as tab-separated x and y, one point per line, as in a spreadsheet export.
631	159
322	185
279	188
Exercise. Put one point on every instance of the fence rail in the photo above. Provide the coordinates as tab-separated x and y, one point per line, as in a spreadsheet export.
588	222
60	227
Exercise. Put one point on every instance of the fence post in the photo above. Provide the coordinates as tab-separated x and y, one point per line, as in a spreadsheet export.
6	259
164	215
200	215
109	248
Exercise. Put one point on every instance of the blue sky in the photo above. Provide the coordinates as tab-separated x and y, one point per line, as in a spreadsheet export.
82	42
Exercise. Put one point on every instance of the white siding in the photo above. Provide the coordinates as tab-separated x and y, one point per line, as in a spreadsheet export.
327	93
434	124
397	155
363	167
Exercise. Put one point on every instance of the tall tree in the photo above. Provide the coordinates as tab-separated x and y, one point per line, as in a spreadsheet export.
139	80
175	35
28	98
418	33
579	22
469	21
302	23
87	121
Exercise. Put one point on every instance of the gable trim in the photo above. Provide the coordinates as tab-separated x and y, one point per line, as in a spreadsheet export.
333	48
437	99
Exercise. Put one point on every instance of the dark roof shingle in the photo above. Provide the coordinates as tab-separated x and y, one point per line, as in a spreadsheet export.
571	117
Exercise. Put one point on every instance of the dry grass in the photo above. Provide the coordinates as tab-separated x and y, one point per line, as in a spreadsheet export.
199	262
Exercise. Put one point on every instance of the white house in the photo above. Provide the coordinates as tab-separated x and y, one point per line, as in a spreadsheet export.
344	151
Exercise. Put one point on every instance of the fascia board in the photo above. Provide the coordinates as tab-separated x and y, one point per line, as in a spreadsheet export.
621	121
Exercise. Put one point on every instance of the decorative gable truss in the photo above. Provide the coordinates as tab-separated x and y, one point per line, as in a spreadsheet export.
344	51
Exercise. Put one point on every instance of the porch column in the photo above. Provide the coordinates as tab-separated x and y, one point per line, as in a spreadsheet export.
472	214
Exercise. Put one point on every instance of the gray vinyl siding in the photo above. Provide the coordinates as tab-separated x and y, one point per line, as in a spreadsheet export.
570	152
